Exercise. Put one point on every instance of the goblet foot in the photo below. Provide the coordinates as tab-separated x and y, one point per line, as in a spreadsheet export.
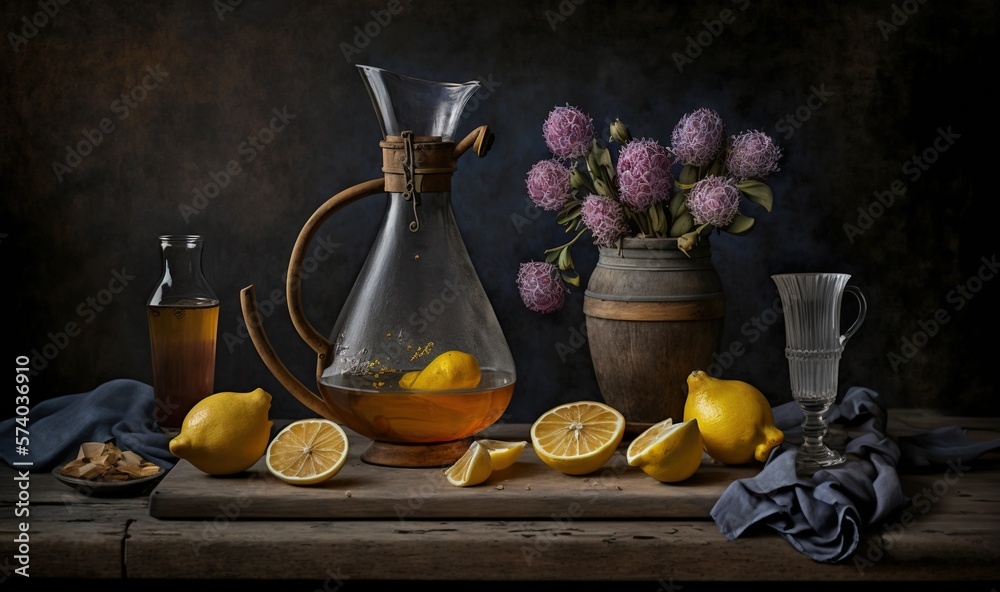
808	461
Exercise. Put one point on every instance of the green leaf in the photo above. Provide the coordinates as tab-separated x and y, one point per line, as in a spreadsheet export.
656	218
569	213
740	226
552	256
677	204
602	188
682	224
716	168
757	192
665	218
572	278
688	175
604	159
593	161
577	179
565	259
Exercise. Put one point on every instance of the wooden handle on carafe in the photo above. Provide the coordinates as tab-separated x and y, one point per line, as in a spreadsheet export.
293	283
479	139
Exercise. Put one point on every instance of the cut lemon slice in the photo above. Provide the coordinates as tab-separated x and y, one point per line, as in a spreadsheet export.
472	468
667	451
307	451
578	438
503	454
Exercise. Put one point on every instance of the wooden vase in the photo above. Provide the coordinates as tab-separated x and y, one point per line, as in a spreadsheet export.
654	314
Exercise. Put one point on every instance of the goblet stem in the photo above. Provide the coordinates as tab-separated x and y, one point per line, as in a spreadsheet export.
813	453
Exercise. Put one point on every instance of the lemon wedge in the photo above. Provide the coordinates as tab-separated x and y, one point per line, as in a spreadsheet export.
472	468
668	452
307	452
503	454
578	438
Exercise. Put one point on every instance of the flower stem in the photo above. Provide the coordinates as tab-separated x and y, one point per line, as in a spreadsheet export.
569	244
637	218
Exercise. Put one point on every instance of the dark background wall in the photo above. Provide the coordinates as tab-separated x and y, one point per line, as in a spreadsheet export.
864	98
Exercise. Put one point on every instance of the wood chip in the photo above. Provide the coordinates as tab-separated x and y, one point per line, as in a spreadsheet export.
104	461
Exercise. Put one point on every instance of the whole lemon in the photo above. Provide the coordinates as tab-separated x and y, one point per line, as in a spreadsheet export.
225	433
734	417
449	371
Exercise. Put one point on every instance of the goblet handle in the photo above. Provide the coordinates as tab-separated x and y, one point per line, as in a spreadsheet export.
862	309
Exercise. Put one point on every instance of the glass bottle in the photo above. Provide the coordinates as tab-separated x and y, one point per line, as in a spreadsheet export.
183	316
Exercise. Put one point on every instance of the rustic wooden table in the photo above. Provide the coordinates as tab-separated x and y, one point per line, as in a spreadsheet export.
527	523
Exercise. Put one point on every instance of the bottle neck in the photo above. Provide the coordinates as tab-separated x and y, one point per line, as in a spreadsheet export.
182	282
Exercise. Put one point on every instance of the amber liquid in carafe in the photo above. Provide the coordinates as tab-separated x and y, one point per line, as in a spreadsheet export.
388	413
183	341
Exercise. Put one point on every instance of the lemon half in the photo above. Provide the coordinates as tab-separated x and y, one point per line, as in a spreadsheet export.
307	452
578	438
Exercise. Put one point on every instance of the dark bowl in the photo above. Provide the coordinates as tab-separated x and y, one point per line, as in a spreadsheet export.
128	488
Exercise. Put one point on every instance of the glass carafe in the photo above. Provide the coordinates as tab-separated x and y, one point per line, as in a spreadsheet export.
418	294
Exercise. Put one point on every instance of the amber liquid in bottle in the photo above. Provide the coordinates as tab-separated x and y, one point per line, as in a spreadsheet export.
183	341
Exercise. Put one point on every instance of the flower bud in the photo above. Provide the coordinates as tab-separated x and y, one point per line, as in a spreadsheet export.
619	133
688	241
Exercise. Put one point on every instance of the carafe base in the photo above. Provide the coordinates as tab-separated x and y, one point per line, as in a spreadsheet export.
391	454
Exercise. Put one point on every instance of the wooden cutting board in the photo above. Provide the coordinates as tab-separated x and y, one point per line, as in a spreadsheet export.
528	490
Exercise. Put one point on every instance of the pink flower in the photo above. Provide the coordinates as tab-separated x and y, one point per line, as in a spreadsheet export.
698	136
605	219
541	287
715	200
568	132
644	174
548	185
752	154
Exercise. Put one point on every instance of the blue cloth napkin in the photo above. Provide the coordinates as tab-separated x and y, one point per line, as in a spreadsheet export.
825	515
121	409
